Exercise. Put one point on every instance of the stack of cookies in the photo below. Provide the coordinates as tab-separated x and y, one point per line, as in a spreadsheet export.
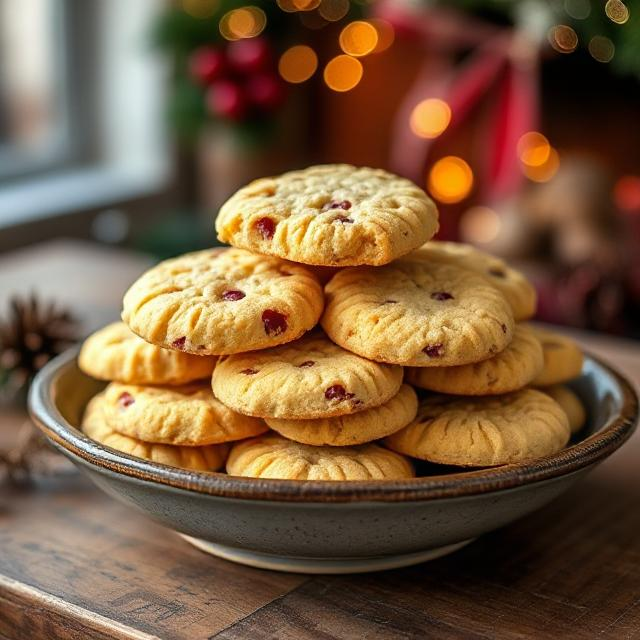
296	354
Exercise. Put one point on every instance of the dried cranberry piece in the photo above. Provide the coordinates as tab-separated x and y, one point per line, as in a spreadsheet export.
441	295
266	227
233	295
337	392
306	364
274	322
126	399
497	272
179	343
390	302
343	219
344	205
504	328
249	372
434	350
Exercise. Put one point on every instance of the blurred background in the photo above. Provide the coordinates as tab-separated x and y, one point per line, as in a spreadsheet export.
126	123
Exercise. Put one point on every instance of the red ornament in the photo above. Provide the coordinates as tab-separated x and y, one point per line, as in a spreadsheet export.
206	65
226	99
265	91
249	55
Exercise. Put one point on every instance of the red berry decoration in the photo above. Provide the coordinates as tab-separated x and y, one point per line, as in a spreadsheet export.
126	399
226	100
274	322
206	65
233	295
249	55
265	91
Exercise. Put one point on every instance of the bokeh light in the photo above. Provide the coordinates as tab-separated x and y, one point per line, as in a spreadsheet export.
545	171
358	38
343	73
450	180
626	193
533	149
563	38
430	118
298	63
578	9
246	22
480	225
291	6
617	11
333	10
200	8
601	48
386	34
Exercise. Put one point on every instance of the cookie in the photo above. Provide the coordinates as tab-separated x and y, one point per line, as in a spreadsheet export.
417	313
511	369
223	301
331	215
484	432
353	429
570	403
115	353
515	287
308	378
208	458
187	415
272	456
562	358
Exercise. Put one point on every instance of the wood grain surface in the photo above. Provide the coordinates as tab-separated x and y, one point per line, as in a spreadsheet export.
75	564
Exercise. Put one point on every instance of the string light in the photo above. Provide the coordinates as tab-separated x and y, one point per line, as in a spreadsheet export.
450	180
386	34
200	8
246	22
298	64
545	171
480	225
358	38
343	73
617	11
601	48
563	38
430	118
626	193
333	10
533	149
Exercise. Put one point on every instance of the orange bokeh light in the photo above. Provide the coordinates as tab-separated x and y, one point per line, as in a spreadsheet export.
246	22
386	34
200	8
298	63
343	73
533	149
450	180
545	171
563	38
430	118
480	225
333	10
358	38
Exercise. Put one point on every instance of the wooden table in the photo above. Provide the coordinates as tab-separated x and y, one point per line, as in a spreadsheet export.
76	564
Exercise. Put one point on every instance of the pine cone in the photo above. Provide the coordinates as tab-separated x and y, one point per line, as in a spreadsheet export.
33	333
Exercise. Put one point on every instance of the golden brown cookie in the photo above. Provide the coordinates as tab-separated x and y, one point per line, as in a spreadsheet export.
208	458
357	428
417	313
562	358
223	301
570	403
187	415
272	456
332	215
116	353
484	432
509	370
515	287
309	378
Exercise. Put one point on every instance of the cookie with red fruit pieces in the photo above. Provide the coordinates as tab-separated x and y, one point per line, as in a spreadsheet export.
330	215
222	301
309	378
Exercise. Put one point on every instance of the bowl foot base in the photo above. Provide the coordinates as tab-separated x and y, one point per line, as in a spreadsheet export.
293	564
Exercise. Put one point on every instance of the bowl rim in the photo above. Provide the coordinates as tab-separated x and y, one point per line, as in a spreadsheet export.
585	453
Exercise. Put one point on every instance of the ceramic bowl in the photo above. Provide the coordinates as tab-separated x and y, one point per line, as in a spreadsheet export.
333	527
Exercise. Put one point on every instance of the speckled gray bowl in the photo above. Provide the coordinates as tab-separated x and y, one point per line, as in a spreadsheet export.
332	527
